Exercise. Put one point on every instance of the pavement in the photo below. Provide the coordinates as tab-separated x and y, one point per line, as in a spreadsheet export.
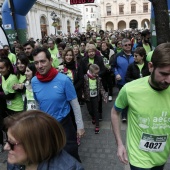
97	151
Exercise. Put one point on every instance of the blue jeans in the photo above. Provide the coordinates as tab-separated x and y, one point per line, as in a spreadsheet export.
153	168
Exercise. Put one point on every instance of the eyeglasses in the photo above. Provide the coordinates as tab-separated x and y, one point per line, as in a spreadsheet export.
138	39
127	45
119	43
12	145
82	45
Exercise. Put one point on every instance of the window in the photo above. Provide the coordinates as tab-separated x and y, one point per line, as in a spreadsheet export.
121	9
108	10
91	10
86	9
133	8
145	7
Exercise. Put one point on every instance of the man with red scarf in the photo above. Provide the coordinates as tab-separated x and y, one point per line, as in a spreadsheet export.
55	93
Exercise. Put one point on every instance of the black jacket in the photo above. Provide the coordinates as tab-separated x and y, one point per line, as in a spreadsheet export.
133	71
97	60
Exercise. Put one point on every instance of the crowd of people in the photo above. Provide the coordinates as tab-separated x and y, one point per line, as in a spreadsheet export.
58	74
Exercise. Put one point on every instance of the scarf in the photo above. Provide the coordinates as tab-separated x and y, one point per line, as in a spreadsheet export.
71	65
48	77
90	75
106	53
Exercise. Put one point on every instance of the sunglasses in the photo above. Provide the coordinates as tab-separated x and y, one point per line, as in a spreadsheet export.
127	45
12	145
139	39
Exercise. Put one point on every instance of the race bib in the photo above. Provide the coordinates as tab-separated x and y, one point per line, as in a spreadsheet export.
106	61
152	143
8	102
31	105
93	93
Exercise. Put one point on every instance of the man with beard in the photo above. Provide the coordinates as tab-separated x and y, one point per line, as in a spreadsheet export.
28	48
148	142
145	41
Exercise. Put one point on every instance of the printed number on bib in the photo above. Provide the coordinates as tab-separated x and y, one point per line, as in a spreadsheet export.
152	143
93	93
31	105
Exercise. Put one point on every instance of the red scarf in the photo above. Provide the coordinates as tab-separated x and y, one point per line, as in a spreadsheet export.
90	75
48	77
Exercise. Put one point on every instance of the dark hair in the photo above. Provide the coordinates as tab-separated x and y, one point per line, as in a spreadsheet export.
161	55
5	46
58	40
3	53
145	32
24	60
41	49
31	66
141	51
62	45
31	43
65	53
101	31
7	63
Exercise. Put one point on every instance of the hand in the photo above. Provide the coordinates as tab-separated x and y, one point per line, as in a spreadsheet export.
105	100
80	133
15	86
118	77
122	155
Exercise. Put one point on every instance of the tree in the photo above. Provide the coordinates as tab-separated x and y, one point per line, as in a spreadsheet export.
160	8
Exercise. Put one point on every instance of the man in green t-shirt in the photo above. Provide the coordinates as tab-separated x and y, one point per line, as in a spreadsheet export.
11	56
148	131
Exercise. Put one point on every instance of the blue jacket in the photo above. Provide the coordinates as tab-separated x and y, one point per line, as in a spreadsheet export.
120	65
63	161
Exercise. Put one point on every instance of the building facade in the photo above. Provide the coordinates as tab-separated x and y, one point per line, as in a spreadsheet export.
91	16
125	14
53	17
48	17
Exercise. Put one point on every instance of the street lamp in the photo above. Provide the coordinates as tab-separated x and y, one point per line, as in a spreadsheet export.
77	24
88	26
54	18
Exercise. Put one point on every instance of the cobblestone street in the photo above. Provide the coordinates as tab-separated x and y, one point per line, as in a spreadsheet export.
97	151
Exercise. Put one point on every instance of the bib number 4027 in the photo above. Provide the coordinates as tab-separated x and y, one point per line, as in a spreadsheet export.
152	143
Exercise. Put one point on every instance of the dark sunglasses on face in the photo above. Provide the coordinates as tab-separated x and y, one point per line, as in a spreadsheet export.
127	45
12	145
138	39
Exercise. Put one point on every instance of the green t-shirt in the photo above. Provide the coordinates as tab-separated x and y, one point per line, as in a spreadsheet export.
140	66
91	60
22	78
12	58
147	48
149	56
17	103
54	51
70	74
92	84
31	102
55	62
148	140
